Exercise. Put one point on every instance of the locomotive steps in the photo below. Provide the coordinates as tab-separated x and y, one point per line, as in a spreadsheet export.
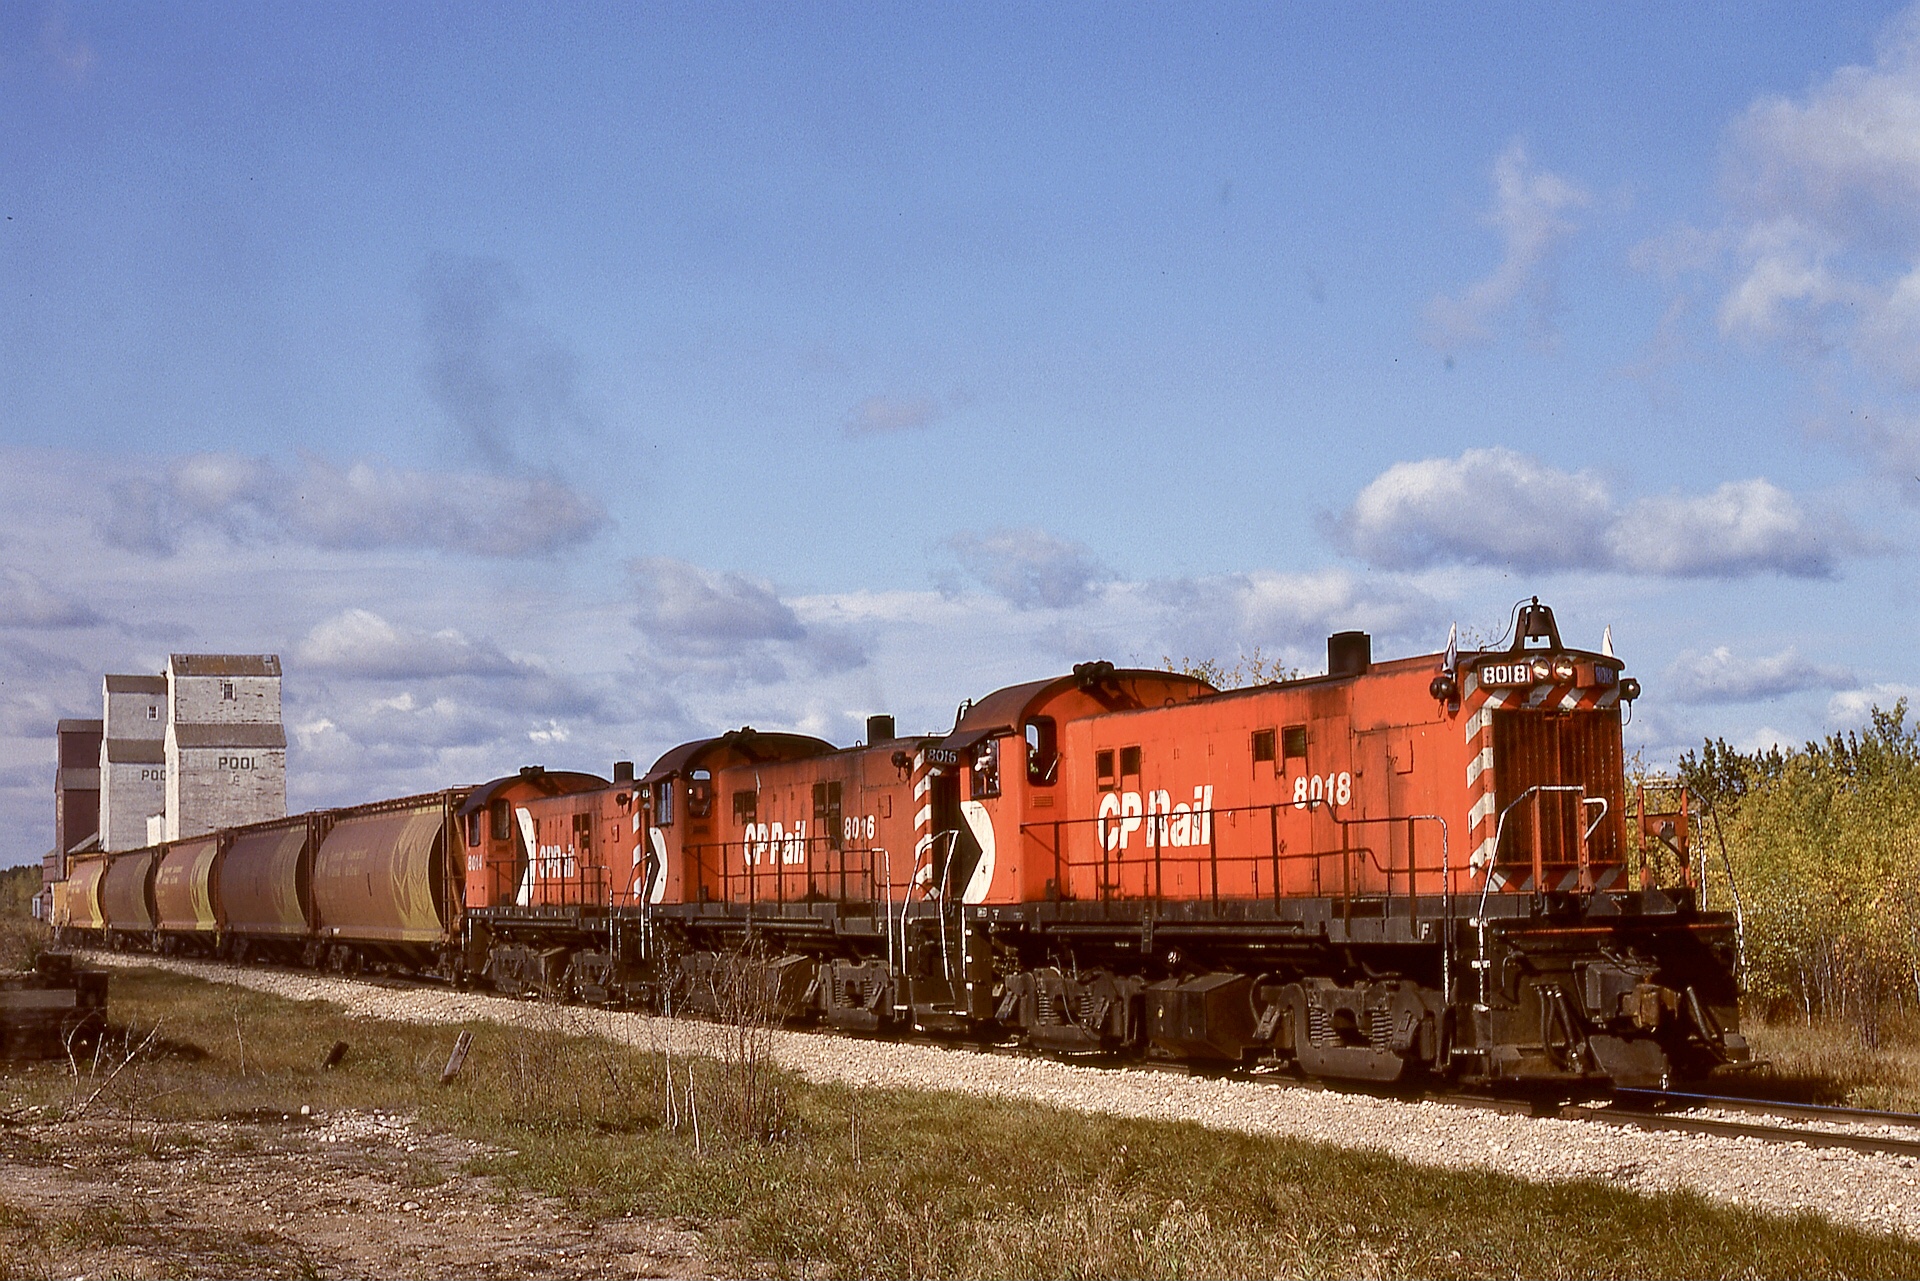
1875	1191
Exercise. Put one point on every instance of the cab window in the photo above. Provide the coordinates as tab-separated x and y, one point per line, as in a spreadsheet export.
500	814
1043	751
986	769
1262	746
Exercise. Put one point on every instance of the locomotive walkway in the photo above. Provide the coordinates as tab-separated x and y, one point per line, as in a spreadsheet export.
1878	1191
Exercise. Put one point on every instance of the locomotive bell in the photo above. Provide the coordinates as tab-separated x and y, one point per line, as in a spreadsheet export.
1537	628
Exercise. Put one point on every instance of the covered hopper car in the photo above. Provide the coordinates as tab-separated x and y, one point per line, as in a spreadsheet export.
1408	869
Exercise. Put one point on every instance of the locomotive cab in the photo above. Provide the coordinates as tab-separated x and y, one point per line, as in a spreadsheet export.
994	784
689	823
499	854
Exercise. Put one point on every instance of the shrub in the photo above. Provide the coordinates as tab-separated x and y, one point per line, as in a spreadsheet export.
1824	843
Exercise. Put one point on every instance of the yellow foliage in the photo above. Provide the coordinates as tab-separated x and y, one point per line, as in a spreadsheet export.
1824	843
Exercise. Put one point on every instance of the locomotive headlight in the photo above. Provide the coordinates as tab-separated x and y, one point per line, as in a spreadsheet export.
1542	669
1563	670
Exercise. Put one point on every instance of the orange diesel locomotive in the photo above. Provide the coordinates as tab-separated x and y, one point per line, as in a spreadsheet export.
1409	868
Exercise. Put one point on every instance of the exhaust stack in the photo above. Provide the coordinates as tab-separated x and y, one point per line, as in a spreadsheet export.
1349	654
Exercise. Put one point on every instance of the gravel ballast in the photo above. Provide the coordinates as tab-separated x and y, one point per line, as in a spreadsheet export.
1874	1191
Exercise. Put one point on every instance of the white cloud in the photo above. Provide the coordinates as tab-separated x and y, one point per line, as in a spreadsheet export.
27	602
1821	239
1499	507
1744	527
403	673
368	506
66	53
1851	708
1764	739
362	506
1293	613
1846	157
1530	213
704	611
358	642
375	698
1718	676
883	415
1488	507
1786	277
723	626
1029	567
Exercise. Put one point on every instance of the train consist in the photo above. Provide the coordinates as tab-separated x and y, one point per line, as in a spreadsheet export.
1405	869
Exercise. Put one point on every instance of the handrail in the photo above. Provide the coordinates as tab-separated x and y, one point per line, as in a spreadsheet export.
1733	888
1599	818
1493	859
1049	846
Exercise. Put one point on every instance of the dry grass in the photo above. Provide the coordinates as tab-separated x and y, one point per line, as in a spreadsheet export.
21	937
1827	1062
862	1183
21	942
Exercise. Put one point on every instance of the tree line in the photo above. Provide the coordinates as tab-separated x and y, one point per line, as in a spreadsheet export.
1823	845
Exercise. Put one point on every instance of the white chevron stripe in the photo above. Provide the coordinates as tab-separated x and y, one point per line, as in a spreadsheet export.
924	819
1482	856
1608	698
1482	811
1479	765
1571	701
922	786
1483	715
1471	684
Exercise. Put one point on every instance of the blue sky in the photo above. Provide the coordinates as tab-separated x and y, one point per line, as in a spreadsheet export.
558	387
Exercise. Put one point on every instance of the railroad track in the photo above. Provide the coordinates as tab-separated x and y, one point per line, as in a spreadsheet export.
1656	1110
1892	1133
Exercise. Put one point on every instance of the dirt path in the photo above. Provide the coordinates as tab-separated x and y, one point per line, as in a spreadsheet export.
343	1195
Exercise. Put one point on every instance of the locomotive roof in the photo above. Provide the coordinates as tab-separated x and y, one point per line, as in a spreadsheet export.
747	741
553	782
1002	711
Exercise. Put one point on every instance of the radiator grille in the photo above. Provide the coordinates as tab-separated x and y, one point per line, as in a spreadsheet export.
1536	748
